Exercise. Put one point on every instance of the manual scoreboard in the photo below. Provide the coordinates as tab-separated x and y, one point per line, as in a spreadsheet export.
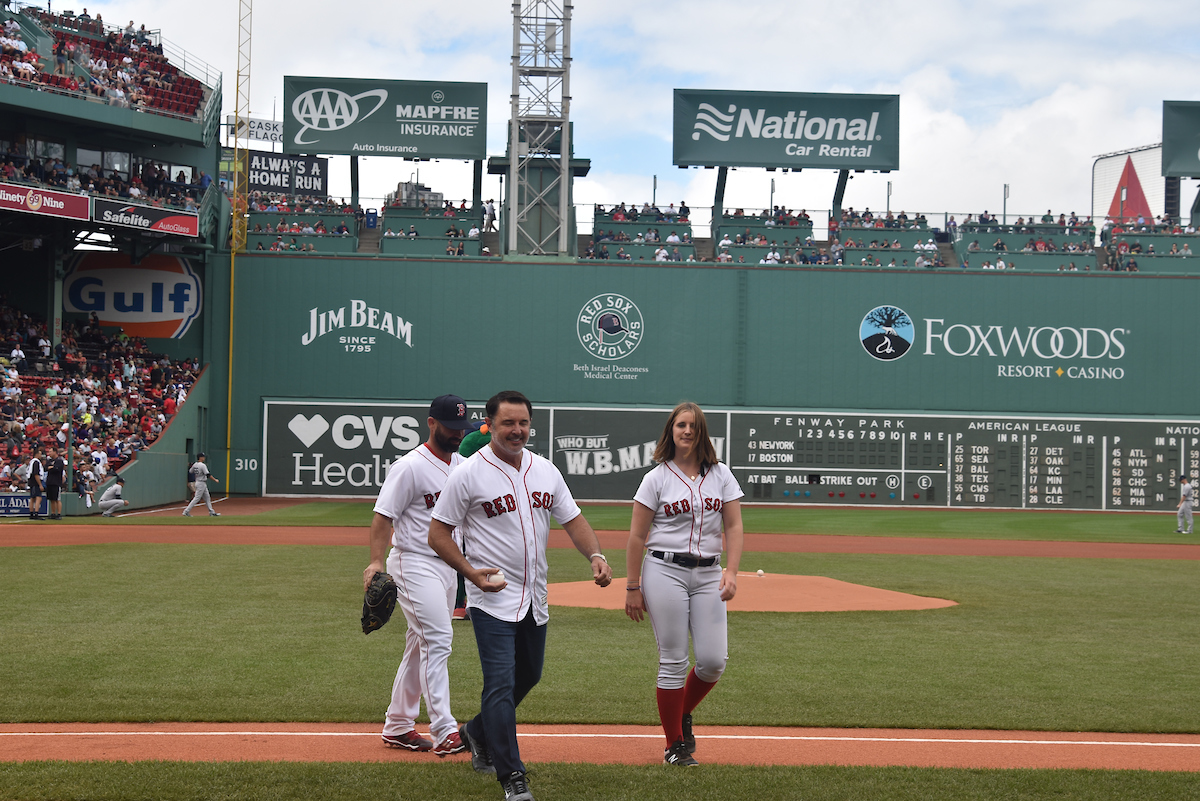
962	460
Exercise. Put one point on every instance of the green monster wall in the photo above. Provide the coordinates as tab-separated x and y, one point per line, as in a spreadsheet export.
638	335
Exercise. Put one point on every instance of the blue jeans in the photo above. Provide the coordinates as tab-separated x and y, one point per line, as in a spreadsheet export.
511	656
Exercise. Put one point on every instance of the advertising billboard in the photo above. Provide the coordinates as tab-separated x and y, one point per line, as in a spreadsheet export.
786	129
35	200
146	218
293	175
160	297
366	117
255	129
1181	139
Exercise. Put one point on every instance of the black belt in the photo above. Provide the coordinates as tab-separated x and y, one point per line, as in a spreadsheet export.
684	559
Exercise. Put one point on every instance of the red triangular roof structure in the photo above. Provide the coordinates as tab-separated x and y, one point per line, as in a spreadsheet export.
1135	198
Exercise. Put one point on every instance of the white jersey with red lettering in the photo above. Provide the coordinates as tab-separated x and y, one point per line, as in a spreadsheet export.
503	515
409	494
425	590
687	512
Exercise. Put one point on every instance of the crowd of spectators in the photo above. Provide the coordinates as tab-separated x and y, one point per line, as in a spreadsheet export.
1069	225
1039	245
122	67
299	204
106	396
649	212
301	227
866	219
151	186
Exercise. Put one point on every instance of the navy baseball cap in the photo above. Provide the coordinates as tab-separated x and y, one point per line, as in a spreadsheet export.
451	411
120	480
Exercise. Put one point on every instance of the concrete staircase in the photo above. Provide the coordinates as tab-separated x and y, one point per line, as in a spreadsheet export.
946	251
368	239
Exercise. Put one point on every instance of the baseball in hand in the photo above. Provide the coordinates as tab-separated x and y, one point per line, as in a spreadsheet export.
496	578
761	574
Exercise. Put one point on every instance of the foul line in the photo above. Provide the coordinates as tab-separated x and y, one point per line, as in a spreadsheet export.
165	509
752	737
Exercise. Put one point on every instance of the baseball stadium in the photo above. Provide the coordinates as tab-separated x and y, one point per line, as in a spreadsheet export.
963	442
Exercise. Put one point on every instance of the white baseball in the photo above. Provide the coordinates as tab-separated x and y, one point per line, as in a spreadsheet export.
761	574
496	578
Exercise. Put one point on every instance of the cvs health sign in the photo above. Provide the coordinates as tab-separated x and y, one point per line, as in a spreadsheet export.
158	298
338	448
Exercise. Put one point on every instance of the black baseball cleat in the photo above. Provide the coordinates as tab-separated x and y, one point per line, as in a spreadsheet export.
516	788
678	754
481	759
689	739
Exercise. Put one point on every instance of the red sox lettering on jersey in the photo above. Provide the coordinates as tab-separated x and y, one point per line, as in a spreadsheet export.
687	512
503	515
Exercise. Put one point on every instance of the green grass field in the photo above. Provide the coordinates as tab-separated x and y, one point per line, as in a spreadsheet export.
137	632
916	522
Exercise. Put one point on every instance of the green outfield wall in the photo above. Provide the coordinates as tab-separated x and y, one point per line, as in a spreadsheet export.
626	336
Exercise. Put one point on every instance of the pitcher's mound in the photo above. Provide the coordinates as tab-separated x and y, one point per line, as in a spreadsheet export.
772	592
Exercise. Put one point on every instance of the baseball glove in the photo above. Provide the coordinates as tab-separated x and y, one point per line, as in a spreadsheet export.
379	602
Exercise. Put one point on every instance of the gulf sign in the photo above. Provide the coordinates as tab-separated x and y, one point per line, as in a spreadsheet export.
158	298
33	200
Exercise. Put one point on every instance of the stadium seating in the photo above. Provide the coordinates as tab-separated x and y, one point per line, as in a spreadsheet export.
644	252
425	226
322	243
425	246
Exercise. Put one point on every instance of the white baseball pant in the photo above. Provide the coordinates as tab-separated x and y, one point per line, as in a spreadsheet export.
680	600
108	507
201	495
425	590
1184	516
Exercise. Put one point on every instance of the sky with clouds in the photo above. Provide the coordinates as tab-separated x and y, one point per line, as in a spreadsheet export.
1017	92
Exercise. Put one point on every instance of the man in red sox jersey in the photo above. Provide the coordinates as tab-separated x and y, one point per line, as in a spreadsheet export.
425	585
673	563
500	502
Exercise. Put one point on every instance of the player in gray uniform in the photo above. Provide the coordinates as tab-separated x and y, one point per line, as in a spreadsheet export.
1184	515
201	476
111	500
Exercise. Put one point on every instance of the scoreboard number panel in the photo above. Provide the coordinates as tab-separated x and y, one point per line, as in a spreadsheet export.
962	461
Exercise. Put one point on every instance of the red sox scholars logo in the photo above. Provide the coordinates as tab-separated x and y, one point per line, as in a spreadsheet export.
610	326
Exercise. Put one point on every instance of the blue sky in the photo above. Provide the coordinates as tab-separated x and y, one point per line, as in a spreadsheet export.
1023	93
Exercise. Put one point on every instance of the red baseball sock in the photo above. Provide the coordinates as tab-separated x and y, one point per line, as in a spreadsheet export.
694	691
670	712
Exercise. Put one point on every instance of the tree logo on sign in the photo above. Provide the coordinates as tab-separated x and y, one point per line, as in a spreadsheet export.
886	333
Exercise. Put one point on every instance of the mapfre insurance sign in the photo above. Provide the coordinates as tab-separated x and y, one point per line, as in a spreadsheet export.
338	448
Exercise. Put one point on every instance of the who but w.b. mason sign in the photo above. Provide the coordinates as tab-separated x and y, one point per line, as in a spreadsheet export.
786	129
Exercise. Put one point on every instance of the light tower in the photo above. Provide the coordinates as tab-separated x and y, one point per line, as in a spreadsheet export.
539	216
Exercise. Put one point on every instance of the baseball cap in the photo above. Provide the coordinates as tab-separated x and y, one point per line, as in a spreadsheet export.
120	480
201	455
450	411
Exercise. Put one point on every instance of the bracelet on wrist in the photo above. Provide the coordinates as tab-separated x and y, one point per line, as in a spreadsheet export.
593	556
634	587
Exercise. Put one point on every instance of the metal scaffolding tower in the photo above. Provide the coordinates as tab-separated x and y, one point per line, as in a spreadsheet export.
539	152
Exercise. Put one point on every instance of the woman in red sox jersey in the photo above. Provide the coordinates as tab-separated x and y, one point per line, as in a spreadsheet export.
678	516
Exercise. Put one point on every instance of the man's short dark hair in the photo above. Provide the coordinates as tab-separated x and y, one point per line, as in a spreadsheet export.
507	396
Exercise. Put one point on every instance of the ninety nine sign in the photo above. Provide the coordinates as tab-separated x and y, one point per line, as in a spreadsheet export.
1181	139
147	218
786	129
32	200
360	117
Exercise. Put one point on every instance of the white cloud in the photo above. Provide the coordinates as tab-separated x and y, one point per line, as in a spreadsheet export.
1024	93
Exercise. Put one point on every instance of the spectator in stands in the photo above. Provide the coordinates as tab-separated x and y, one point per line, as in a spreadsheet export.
474	232
1187	250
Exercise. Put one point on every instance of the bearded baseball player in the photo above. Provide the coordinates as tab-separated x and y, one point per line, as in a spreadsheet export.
500	502
425	585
